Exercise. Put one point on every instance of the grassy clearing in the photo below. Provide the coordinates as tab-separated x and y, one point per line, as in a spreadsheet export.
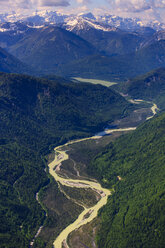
95	81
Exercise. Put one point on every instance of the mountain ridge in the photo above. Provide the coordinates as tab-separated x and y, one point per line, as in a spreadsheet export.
50	46
40	17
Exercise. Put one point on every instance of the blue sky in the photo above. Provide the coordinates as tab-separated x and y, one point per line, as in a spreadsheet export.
145	9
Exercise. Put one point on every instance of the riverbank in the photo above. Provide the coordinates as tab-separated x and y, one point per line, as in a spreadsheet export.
90	212
76	155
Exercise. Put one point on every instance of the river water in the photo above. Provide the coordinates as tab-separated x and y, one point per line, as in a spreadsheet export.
88	214
91	212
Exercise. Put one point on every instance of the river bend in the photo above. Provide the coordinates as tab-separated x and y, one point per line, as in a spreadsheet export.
88	214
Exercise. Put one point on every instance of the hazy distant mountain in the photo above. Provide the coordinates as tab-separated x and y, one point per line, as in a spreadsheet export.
8	63
3	17
49	47
12	32
121	67
111	20
104	38
107	39
82	46
77	23
157	36
41	17
129	23
55	17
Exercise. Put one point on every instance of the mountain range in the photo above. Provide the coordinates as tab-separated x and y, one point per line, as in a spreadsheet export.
49	47
83	46
120	67
55	17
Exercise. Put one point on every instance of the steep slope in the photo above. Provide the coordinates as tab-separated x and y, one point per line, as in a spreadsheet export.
120	67
157	36
79	51
8	63
12	32
150	86
68	101
48	47
36	115
134	166
151	56
107	39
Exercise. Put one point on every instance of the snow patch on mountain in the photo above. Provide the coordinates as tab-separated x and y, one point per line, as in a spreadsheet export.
104	22
13	27
80	23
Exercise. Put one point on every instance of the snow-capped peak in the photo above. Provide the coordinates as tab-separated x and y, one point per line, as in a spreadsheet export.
84	20
87	15
80	23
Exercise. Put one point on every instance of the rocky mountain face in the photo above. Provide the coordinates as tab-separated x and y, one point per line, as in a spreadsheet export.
84	45
55	17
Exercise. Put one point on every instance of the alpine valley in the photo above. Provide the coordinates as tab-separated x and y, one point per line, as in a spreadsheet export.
82	131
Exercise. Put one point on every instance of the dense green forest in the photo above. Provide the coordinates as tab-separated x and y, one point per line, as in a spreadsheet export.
133	167
150	86
36	115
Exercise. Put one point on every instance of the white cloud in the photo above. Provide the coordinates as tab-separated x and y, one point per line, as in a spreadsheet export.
144	9
78	10
159	3
30	4
83	1
136	5
9	5
54	3
130	5
24	4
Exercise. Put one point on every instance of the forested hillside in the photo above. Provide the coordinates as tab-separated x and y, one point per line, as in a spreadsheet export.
49	47
133	167
120	67
9	63
36	113
150	86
